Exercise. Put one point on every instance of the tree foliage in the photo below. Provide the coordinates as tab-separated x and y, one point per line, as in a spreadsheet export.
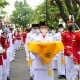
68	7
39	13
57	9
3	3
21	14
52	14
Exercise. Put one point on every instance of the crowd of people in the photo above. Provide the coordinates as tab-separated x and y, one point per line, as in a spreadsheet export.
68	60
10	42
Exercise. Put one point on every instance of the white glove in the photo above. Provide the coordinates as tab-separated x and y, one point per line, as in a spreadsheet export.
71	56
79	52
2	50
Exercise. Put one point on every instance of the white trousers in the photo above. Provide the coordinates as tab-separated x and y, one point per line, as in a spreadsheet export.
32	69
10	42
54	61
1	72
18	44
10	54
26	50
61	67
13	49
42	74
4	70
8	61
70	71
8	68
15	44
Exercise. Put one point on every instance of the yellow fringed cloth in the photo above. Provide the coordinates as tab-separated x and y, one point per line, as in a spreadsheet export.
45	50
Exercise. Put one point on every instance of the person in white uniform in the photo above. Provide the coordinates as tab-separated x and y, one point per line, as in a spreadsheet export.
1	60
31	37
60	56
11	49
40	69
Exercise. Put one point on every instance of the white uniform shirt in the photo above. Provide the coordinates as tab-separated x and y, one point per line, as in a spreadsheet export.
30	37
57	36
10	38
38	63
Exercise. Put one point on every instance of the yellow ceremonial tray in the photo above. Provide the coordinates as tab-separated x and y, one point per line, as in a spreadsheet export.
46	50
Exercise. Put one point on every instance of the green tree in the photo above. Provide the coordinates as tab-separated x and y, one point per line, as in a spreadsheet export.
3	3
68	7
39	13
58	9
52	14
21	15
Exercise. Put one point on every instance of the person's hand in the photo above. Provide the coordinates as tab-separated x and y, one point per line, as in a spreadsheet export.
71	56
79	52
70	53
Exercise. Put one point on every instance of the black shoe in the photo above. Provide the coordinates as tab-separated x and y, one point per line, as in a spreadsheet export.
61	77
55	69
31	78
8	78
64	76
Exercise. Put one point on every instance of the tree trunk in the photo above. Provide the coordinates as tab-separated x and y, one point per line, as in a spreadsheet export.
69	6
75	8
62	13
78	2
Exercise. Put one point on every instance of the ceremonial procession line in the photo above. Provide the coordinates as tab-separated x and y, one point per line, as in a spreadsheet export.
35	53
19	68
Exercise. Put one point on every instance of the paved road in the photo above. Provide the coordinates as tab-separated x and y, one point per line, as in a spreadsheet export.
19	68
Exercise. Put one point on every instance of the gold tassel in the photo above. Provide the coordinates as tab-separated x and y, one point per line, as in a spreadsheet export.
49	71
30	62
63	60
